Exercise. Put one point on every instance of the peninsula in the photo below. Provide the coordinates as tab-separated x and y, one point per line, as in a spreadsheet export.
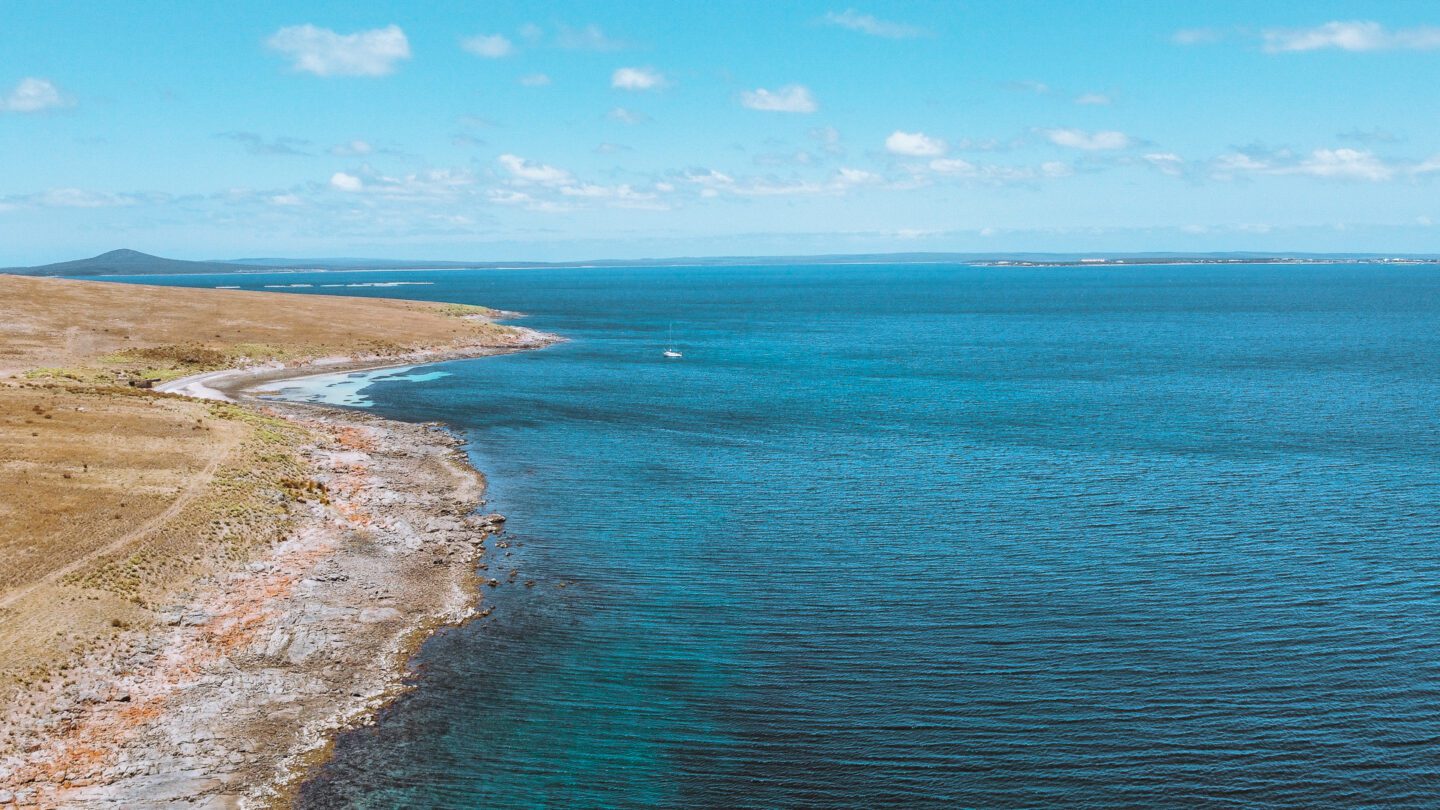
196	593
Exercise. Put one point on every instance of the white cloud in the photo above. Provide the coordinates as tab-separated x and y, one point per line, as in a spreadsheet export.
256	144
490	46
1430	164
427	185
33	95
999	173
352	149
1167	162
856	177
1056	168
340	181
914	144
627	116
79	198
1238	162
589	38
1096	141
1355	35
325	53
1099	99
792	98
528	171
710	177
1029	86
1348	164
637	78
535	80
867	24
619	196
1336	164
1197	36
952	166
285	200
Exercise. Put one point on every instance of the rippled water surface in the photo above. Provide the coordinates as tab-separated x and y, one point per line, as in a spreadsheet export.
934	536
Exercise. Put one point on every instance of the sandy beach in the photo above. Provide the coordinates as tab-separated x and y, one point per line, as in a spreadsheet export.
219	685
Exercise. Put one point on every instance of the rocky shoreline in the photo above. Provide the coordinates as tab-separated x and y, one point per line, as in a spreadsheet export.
243	685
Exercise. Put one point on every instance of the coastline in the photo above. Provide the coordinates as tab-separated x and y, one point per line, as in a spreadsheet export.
241	689
230	384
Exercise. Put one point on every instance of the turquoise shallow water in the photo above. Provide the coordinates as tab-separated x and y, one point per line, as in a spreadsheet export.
934	536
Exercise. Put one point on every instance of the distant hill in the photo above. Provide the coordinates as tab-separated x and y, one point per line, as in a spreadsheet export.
130	263
135	263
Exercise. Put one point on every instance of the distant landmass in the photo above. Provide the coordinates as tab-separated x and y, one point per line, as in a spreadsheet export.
131	263
134	263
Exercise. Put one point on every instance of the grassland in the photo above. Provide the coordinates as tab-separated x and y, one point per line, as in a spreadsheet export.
115	500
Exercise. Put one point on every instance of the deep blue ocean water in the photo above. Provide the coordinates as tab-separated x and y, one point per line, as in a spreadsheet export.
934	536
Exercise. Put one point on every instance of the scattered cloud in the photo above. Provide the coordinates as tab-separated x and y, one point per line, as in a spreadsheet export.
528	171
997	172
712	183
627	116
637	78
1332	164
490	46
623	195
1373	135
326	53
341	181
868	24
1166	162
78	198
1355	35
952	166
792	98
829	140
535	80
425	186
1427	166
608	148
1029	86
589	38
256	144
1095	99
796	158
1238	162
352	149
1197	36
1348	164
857	177
32	95
1089	141
914	144
1056	168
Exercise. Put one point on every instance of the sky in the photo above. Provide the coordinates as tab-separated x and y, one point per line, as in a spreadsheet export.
573	130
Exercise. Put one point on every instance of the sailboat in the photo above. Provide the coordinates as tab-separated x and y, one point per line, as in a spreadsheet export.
670	352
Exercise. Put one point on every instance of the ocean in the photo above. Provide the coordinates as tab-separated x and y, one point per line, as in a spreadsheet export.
930	536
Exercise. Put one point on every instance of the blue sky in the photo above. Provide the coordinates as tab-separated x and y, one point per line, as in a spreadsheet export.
567	130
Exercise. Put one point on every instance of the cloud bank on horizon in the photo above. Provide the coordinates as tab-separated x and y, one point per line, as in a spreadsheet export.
586	131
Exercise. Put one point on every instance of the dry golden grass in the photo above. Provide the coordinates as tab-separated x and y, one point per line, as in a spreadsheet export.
58	323
115	499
